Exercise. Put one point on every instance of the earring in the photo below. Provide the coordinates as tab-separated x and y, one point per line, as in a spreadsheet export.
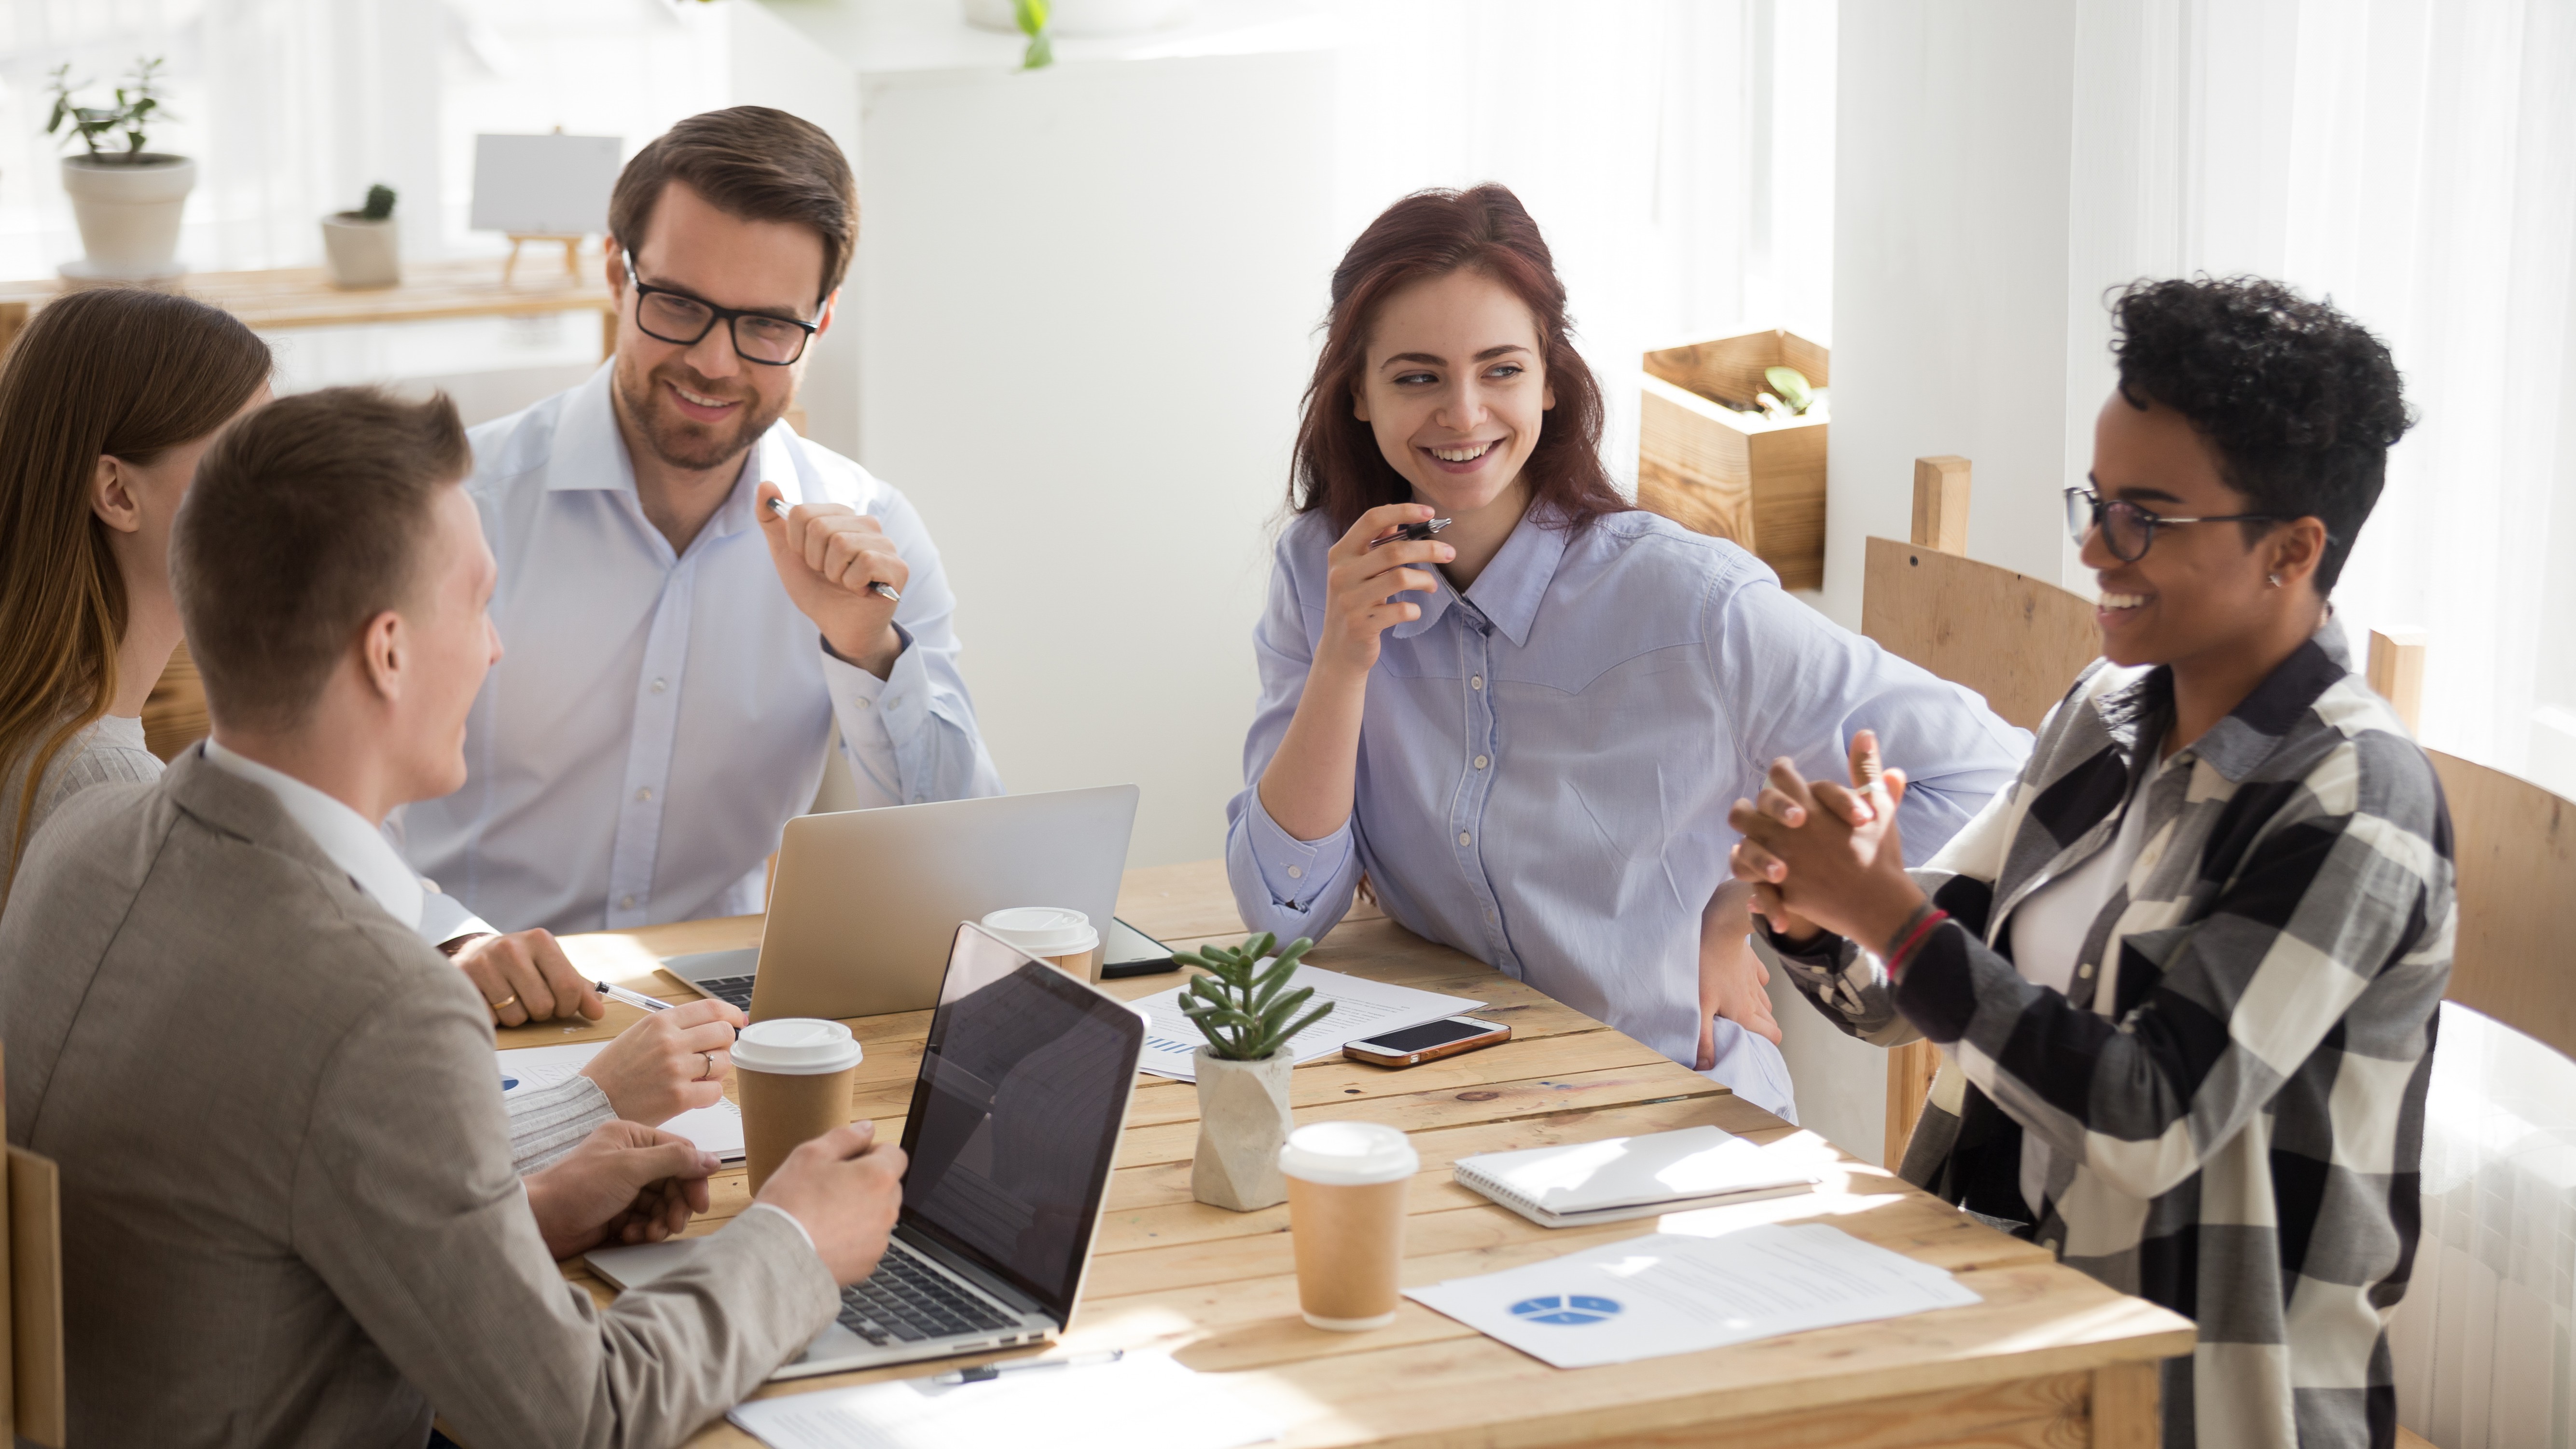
2273	579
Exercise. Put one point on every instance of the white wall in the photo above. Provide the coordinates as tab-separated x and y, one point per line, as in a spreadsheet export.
1951	198
1086	297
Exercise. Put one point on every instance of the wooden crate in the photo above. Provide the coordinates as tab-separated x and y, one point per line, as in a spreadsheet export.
1708	469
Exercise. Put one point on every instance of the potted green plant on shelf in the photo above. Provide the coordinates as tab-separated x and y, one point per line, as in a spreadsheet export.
127	199
364	247
1248	1013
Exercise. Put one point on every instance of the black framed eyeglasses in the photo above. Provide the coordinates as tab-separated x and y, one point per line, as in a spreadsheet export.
2126	528
761	337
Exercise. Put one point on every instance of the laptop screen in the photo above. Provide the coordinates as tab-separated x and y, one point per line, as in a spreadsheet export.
1015	1116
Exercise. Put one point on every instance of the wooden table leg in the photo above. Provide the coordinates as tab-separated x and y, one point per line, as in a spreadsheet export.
2126	1399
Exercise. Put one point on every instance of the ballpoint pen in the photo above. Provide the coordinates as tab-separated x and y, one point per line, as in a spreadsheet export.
881	589
631	998
986	1373
1415	531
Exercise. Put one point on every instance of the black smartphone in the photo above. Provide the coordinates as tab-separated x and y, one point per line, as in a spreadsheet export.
1130	952
1429	1042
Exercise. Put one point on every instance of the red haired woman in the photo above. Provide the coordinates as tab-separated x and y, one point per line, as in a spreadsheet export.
1526	730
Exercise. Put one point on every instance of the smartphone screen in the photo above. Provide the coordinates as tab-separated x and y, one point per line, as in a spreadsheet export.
1425	1037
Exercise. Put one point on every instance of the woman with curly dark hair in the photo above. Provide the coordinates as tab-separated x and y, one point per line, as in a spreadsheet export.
2185	974
1526	729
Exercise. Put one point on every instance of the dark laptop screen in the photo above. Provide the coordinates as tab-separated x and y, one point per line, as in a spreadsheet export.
1015	1116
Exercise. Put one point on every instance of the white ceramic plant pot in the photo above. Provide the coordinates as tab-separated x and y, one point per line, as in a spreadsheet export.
1243	1122
129	215
362	253
1084	17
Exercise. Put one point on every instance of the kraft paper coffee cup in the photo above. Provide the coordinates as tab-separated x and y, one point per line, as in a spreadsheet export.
1346	1185
1053	934
792	1078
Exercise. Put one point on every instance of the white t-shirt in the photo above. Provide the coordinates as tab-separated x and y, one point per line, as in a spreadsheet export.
2048	930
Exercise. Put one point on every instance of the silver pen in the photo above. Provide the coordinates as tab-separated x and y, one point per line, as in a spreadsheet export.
882	590
1415	531
631	998
986	1373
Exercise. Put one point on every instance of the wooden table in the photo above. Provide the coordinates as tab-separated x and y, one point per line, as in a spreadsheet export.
2049	1358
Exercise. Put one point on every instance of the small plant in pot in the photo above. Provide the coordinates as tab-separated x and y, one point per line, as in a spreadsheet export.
363	246
1248	1014
126	197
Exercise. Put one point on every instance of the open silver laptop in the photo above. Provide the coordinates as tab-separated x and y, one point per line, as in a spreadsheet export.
864	901
1014	1122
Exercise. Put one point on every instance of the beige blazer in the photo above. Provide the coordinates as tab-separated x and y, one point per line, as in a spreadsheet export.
289	1216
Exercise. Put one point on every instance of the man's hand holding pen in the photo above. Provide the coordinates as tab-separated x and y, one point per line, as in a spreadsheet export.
841	571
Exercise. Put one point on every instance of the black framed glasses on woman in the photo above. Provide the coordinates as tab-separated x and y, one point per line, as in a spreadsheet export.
2126	528
761	337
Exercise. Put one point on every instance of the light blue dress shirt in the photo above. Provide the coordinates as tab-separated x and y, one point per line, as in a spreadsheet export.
1546	763
657	718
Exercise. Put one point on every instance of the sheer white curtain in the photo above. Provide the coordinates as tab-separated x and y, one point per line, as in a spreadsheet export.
2415	160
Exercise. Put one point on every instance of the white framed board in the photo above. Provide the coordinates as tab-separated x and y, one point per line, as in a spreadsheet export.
550	185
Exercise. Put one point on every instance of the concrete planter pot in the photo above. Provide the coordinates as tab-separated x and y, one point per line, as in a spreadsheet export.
128	213
362	253
1085	17
1243	1122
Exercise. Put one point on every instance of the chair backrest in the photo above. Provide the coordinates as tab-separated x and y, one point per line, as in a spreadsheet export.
31	1301
2514	846
2016	640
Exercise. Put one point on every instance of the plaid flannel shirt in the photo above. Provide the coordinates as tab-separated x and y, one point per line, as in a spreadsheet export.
2231	1094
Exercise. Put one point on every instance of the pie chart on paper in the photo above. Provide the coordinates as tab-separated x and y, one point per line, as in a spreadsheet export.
1566	1309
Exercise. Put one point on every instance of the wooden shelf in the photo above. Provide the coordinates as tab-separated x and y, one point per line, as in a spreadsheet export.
291	297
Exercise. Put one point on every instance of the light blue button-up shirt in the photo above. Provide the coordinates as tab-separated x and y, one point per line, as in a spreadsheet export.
656	718
1546	763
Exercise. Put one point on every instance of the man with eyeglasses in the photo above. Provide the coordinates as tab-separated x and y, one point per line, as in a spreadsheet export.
678	650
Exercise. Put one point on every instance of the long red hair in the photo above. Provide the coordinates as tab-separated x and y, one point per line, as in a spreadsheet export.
1338	468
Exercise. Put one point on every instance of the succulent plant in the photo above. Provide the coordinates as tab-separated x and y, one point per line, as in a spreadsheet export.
1796	393
1032	18
380	203
1244	1011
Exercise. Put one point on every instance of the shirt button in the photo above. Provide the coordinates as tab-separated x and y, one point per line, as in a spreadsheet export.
660	684
1296	873
1464	838
1481	762
644	794
626	903
1476	681
2085	970
863	704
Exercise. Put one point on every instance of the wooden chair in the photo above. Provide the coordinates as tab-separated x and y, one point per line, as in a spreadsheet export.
31	1286
2016	640
2514	849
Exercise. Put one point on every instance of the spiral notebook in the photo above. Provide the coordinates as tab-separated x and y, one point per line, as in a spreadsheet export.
1630	1177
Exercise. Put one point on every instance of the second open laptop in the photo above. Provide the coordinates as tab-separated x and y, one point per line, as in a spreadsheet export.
864	901
1015	1117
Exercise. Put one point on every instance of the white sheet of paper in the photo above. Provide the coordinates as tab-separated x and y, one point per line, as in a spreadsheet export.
1666	1293
716	1129
1140	1402
1361	1008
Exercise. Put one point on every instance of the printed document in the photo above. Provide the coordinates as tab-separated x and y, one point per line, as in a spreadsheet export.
716	1129
1361	1009
1666	1293
1140	1402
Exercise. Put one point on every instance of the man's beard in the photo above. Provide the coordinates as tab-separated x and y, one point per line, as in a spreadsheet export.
681	442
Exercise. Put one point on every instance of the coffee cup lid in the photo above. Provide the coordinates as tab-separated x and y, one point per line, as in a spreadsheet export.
1043	930
796	1046
1348	1154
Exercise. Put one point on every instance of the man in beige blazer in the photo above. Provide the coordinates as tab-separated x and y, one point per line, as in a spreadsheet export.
289	1214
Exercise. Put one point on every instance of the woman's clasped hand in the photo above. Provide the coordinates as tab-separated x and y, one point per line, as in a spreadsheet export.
1821	855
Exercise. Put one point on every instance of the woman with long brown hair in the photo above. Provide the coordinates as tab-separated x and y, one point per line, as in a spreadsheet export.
106	403
1526	729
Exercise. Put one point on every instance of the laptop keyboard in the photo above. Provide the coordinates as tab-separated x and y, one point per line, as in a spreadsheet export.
735	989
905	1301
